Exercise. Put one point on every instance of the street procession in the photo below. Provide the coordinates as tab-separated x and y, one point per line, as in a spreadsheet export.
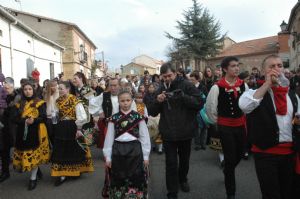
136	99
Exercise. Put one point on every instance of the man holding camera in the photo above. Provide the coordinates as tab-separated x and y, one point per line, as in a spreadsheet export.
177	102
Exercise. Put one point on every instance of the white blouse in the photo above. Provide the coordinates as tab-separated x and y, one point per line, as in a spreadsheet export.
144	138
81	116
51	107
95	105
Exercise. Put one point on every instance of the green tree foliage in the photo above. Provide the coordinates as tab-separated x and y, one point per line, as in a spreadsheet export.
200	35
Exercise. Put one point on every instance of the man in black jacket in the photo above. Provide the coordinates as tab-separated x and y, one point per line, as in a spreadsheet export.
9	128
177	102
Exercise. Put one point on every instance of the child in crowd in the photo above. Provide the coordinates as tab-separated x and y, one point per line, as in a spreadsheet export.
153	121
140	106
142	89
126	150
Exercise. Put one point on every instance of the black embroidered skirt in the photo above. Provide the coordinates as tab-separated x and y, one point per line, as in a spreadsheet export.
128	179
68	158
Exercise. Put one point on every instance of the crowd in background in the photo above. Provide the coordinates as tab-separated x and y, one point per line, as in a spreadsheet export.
33	107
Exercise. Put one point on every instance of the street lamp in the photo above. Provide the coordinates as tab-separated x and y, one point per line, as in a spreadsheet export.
283	26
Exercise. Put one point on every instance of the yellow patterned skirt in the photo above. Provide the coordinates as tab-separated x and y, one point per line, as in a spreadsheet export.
30	159
73	169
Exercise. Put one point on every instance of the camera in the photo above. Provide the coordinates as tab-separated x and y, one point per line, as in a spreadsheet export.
174	94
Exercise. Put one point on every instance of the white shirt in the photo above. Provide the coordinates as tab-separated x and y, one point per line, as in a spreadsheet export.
211	104
51	107
95	105
247	103
144	138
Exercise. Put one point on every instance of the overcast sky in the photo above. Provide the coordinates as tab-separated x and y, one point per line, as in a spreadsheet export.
124	29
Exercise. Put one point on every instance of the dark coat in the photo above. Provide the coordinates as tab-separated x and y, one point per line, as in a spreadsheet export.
32	141
9	129
178	112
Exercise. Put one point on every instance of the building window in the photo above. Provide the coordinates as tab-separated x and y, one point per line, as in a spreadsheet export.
51	71
286	63
30	67
39	20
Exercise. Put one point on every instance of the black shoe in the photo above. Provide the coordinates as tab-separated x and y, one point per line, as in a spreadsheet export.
39	174
185	187
246	156
172	196
59	181
222	164
4	176
230	197
32	184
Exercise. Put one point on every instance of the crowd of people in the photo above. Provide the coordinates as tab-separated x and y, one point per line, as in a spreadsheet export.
235	113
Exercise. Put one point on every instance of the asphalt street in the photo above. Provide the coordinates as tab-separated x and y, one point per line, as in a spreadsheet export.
205	178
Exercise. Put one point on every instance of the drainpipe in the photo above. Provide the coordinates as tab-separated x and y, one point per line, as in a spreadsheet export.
61	61
11	47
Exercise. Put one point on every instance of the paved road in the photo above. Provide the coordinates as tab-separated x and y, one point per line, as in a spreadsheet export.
205	177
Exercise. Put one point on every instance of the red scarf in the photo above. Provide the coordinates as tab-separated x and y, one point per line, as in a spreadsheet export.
280	99
222	83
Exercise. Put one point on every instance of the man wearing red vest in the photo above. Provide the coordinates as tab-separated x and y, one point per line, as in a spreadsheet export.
270	111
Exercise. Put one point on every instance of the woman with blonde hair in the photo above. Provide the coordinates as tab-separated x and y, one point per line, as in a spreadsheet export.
51	95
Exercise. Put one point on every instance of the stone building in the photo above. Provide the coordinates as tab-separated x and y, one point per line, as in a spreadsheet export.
294	41
141	63
79	53
251	53
22	49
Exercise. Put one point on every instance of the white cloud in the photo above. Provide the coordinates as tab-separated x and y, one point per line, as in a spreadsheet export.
123	28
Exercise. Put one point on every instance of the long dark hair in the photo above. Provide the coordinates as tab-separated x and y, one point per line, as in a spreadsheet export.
23	99
82	77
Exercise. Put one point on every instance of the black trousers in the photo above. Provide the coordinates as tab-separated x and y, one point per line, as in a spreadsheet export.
177	163
50	130
275	175
232	140
5	158
296	186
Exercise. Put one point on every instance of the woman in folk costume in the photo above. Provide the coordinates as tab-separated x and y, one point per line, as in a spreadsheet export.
68	157
83	92
126	149
32	146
